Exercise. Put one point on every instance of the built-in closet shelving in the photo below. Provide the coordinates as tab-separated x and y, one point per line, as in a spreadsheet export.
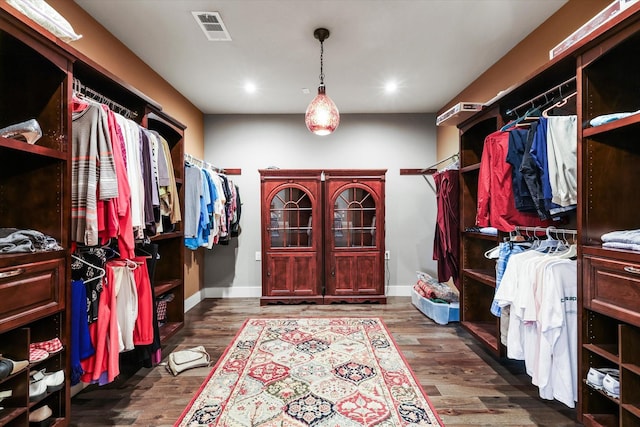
35	78
169	272
478	277
478	274
37	72
610	201
605	66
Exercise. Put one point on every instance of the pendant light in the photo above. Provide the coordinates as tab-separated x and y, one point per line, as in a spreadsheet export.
322	116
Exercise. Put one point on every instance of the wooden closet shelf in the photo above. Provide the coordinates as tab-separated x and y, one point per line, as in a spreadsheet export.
632	408
160	288
486	277
613	129
470	168
484	331
169	329
32	149
632	367
483	236
607	351
164	236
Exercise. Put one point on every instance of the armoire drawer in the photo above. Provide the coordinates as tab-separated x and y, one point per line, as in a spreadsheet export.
30	291
613	287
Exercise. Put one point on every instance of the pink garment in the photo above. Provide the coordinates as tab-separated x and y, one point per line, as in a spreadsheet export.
117	215
143	331
104	337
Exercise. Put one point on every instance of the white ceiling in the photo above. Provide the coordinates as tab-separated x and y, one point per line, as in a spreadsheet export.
432	48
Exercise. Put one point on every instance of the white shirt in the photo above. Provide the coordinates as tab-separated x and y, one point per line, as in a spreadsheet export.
562	146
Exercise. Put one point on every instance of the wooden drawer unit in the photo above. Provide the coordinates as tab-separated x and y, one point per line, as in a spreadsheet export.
612	287
30	291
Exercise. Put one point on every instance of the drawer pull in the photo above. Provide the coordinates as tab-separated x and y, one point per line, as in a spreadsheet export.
11	273
630	269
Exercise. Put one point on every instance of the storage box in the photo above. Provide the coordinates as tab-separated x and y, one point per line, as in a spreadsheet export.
438	312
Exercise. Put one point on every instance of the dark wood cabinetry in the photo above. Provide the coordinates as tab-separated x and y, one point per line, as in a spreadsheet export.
291	236
37	76
34	194
168	277
605	66
322	236
478	274
354	236
610	200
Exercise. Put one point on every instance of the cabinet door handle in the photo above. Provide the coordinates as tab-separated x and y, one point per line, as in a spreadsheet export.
268	274
333	273
630	269
11	273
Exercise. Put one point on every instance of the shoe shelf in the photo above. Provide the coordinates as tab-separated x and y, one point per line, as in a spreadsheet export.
611	343
14	345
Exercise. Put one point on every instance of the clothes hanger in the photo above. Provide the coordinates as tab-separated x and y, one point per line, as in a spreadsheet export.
100	269
549	244
533	111
561	103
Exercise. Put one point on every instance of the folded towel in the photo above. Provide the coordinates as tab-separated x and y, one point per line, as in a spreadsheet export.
620	245
622	236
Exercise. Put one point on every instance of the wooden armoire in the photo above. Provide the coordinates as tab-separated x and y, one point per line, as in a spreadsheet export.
322	236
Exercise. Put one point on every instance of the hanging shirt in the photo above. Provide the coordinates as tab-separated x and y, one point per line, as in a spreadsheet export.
446	240
518	141
562	146
496	205
93	172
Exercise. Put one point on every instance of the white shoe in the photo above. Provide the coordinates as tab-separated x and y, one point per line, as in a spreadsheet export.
595	376
611	385
37	390
54	381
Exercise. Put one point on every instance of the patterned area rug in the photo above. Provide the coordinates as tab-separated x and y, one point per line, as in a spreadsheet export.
320	372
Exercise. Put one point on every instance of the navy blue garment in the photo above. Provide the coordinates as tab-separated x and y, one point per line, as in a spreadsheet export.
530	171
521	194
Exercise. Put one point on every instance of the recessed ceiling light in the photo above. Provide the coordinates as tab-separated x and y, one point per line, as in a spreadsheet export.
249	87
391	87
306	90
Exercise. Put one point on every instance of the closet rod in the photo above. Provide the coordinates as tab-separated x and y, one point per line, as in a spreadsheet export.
81	89
452	157
429	170
189	158
551	229
542	95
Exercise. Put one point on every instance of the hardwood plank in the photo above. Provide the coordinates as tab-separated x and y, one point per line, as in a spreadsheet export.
466	384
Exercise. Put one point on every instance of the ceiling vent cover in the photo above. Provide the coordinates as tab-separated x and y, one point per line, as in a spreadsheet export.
212	26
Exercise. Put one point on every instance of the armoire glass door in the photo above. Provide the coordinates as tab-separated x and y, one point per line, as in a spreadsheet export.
291	219
354	219
292	235
353	249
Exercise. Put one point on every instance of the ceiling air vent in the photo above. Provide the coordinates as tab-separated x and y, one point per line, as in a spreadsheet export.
212	25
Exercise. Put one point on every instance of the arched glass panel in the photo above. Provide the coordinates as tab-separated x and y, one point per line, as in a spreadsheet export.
291	222
354	219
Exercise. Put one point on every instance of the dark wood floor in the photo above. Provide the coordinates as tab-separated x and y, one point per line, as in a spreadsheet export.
466	385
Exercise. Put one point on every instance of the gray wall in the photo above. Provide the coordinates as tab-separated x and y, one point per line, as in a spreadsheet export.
388	141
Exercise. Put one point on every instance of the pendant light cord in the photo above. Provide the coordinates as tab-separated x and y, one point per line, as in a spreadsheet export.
321	60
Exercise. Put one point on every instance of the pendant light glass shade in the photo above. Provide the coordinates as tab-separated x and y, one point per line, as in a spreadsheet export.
322	116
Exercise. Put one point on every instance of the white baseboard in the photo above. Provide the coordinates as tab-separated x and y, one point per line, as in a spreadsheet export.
256	292
192	301
234	292
399	291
